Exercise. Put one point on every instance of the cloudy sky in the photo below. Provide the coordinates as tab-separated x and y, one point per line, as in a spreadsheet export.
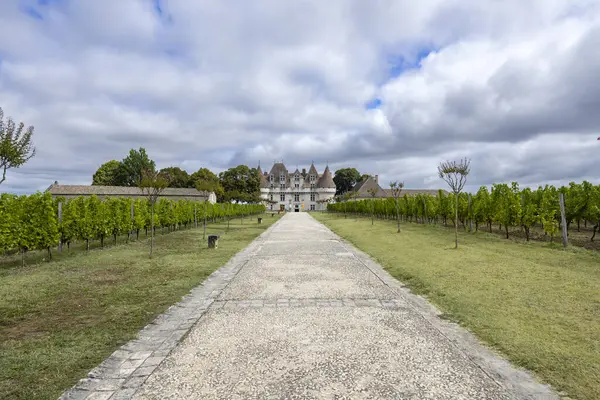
391	87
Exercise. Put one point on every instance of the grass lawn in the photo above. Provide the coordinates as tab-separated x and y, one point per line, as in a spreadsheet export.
537	305
60	319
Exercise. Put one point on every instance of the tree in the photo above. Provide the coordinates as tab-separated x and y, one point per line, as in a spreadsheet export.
455	175
16	147
345	179
106	175
152	184
133	167
241	183
177	177
396	189
206	175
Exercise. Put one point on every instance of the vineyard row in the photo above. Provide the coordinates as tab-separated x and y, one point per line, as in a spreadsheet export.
38	222
505	205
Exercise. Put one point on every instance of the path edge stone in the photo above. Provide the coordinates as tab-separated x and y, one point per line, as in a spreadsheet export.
513	378
121	374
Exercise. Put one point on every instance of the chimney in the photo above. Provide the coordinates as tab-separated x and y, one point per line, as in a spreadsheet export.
377	179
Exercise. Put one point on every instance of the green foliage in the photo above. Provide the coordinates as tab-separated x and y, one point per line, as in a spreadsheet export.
16	147
106	175
31	222
28	222
506	205
177	177
241	183
132	168
345	179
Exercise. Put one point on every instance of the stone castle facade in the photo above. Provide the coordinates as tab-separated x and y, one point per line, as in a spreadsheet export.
296	191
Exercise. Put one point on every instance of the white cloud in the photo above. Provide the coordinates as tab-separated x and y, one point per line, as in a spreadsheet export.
515	85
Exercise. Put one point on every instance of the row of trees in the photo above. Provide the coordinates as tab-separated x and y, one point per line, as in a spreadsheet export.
37	222
240	183
504	205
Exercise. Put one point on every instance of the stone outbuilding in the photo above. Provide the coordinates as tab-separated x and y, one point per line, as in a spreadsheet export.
72	191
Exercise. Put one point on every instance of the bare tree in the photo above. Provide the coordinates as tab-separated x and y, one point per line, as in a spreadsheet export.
16	147
373	193
454	173
152	184
396	189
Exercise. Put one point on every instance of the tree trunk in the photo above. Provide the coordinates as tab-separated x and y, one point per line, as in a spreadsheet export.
151	228
595	230
526	232
578	225
101	240
490	223
87	244
49	253
506	229
456	225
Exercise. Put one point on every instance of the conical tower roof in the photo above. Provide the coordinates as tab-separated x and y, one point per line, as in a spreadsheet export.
326	180
263	179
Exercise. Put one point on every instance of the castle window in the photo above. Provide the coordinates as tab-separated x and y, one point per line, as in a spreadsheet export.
312	207
297	197
297	185
282	197
312	197
312	185
271	197
312	178
282	186
271	178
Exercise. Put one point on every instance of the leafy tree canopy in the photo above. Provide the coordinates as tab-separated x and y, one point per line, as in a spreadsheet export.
345	179
106	175
241	183
177	177
203	174
16	147
130	172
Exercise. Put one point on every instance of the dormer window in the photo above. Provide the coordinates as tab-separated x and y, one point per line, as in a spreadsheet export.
271	178
312	178
282	178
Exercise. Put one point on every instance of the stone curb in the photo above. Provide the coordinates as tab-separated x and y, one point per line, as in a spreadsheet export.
495	366
125	371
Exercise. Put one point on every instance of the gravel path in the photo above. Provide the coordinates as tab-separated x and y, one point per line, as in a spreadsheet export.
300	314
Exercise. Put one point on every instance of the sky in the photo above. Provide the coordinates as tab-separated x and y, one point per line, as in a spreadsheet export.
390	87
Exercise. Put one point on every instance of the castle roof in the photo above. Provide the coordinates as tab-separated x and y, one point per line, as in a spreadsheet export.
278	169
326	180
263	179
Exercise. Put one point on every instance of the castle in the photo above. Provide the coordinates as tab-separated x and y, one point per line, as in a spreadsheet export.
296	191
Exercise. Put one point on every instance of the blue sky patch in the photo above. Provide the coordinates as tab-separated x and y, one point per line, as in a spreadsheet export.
399	64
33	13
373	104
158	7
